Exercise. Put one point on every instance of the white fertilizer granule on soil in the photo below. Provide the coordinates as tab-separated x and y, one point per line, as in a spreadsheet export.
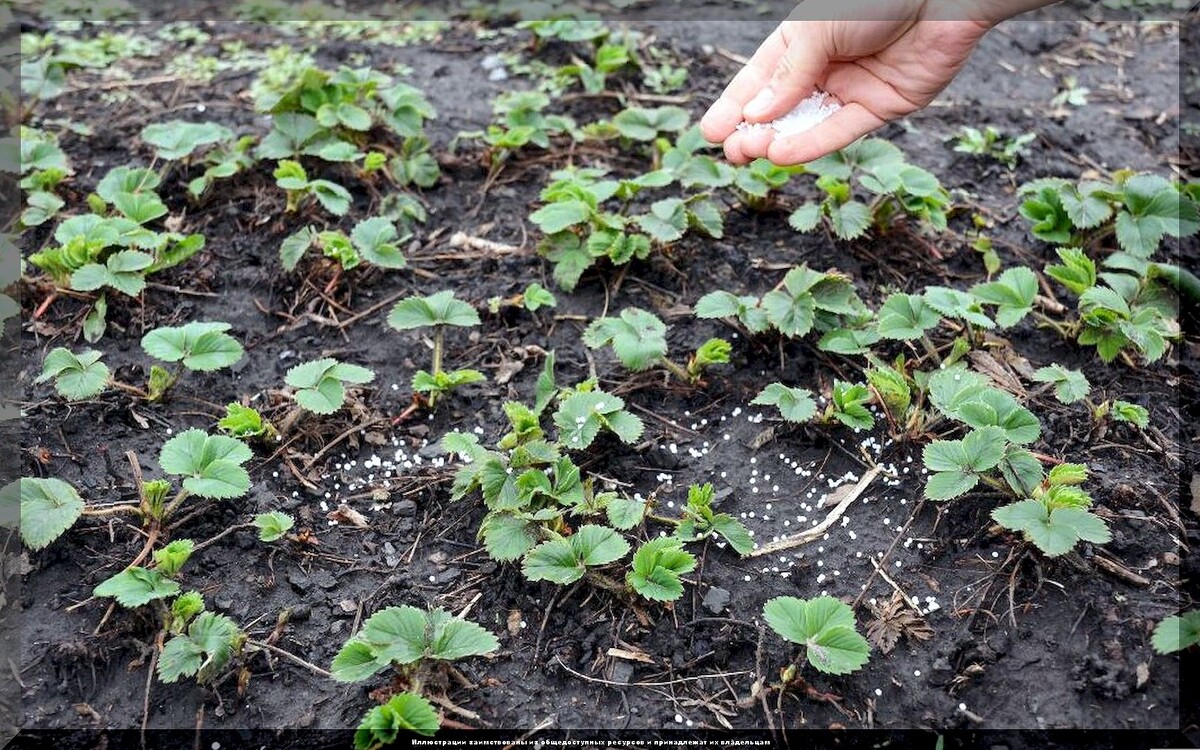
807	114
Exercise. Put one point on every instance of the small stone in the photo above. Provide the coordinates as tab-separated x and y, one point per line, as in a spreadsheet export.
716	600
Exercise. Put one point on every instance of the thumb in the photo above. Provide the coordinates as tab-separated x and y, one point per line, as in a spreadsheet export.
796	74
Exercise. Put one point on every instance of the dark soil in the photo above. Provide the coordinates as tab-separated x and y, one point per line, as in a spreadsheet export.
1019	641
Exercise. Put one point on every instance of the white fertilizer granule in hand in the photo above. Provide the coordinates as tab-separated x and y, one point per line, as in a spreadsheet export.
817	108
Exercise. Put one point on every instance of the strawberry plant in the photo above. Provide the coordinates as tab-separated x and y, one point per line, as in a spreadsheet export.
321	384
1056	517
293	178
804	301
374	240
225	159
534	298
579	230
825	627
657	567
177	140
1140	209
794	404
757	180
44	165
246	423
700	521
993	144
1070	386
848	405
415	644
76	376
198	346
1177	632
565	560
638	338
273	526
1127	309
437	311
113	249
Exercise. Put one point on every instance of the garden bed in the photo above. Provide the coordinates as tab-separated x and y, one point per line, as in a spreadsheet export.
1004	636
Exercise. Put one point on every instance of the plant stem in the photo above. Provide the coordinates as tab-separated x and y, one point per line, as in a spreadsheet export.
1062	329
109	510
128	388
678	371
930	349
663	519
995	484
439	347
175	503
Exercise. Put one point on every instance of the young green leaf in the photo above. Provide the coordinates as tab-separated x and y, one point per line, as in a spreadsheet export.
175	139
536	296
200	346
906	316
273	526
566	559
1054	532
582	415
378	241
203	652
123	271
638	337
1077	271
170	559
405	712
406	635
441	309
320	384
657	566
824	626
849	405
48	508
957	464
245	423
1012	293
445	381
1123	411
211	464
953	303
795	404
1069	385
76	376
1176	633
136	586
639	124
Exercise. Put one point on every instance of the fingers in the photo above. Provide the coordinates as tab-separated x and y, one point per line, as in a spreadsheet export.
843	127
725	114
796	74
744	146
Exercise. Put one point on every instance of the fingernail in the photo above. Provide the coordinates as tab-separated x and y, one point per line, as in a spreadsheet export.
759	103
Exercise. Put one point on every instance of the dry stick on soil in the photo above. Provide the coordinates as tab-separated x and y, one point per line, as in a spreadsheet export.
490	247
289	656
883	574
668	683
817	531
1117	570
355	429
545	723
916	512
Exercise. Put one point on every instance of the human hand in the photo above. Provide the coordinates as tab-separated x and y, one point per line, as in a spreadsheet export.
881	59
